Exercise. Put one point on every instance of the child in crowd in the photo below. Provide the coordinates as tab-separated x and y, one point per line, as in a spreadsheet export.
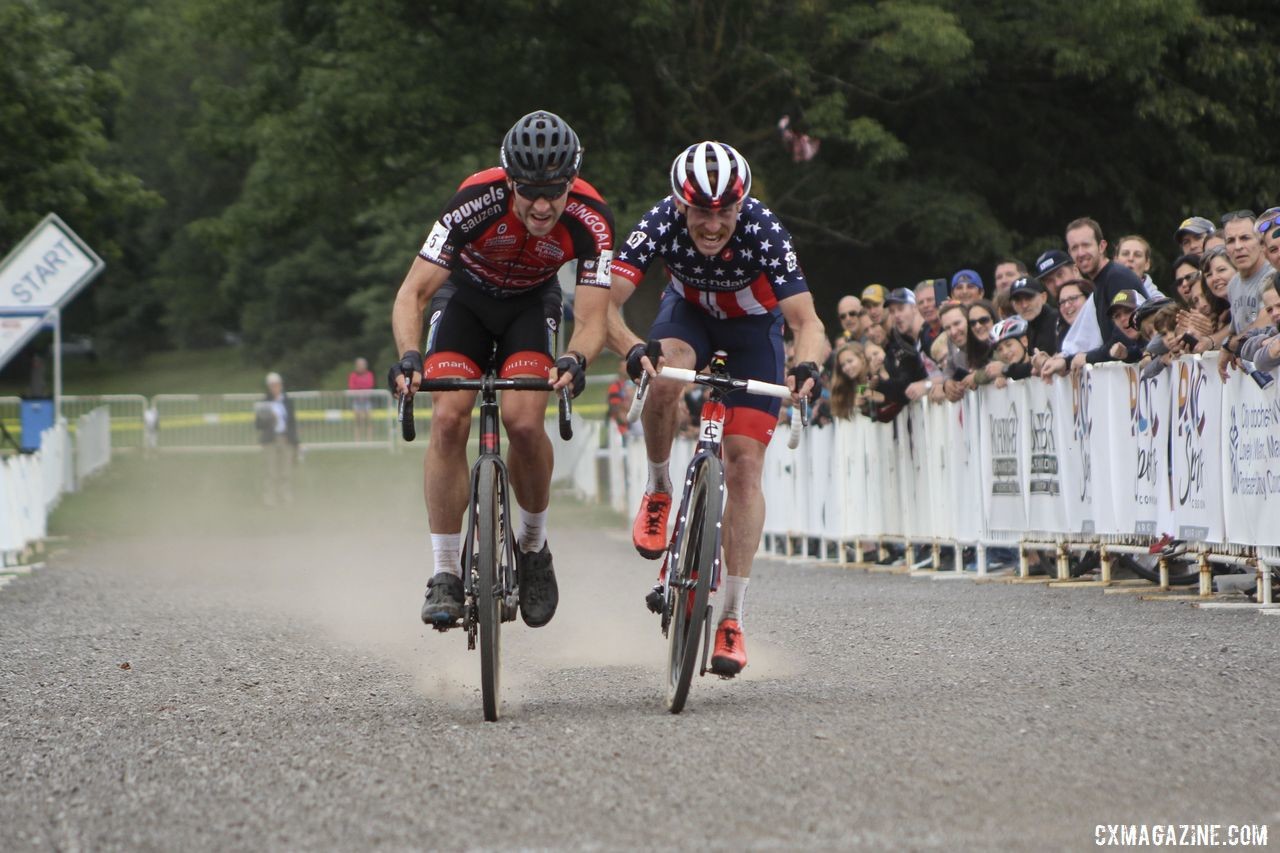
849	383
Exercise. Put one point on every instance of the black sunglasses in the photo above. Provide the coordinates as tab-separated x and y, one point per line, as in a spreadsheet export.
851	314
1238	214
979	321
1185	279
533	192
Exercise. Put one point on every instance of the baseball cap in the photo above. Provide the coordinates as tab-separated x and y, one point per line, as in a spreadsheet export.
1197	225
1151	306
1130	299
876	293
1027	284
970	277
1050	261
901	296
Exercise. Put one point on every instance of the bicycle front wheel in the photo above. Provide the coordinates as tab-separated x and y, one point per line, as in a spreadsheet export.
697	541
490	537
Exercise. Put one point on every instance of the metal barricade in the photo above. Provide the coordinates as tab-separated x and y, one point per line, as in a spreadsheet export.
128	413
326	419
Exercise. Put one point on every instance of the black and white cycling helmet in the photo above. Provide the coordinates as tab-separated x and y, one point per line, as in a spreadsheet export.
1010	327
710	174
541	148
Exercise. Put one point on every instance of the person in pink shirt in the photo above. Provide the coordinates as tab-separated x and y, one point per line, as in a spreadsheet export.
359	386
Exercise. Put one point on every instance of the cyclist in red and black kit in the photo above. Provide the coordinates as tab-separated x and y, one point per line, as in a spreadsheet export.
487	276
733	280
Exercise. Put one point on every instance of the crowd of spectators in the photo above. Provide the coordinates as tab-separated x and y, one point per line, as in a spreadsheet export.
1078	304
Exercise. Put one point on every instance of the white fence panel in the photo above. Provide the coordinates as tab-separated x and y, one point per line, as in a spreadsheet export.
92	443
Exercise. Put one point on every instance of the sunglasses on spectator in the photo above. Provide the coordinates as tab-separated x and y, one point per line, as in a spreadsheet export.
844	314
1269	220
979	321
1238	214
533	192
1185	279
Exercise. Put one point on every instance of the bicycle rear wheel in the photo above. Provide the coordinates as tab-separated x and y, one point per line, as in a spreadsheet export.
697	540
490	537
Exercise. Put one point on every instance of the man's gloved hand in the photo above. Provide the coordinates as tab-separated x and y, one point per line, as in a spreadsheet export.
802	373
575	364
635	358
410	363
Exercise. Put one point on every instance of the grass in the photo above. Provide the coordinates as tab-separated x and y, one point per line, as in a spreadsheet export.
215	371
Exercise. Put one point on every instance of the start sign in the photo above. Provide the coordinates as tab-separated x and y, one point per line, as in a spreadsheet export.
47	269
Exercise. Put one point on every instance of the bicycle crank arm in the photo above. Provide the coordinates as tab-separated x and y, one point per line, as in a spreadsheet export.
706	640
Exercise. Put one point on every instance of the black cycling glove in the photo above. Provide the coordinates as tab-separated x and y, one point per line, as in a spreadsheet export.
575	364
635	369
805	371
410	362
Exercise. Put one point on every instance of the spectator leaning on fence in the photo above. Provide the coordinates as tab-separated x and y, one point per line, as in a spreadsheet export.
849	381
873	296
1244	290
1073	303
853	322
952	358
1192	233
1007	269
1030	302
927	305
1262	347
278	435
977	348
1269	228
966	286
1186	272
1134	252
904	359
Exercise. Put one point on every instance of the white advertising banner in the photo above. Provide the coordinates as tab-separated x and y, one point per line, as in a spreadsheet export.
1250	461
966	469
1074	425
1004	455
1195	478
1046	505
1135	459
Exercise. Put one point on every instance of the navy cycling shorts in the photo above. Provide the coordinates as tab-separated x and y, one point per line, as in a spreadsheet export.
755	351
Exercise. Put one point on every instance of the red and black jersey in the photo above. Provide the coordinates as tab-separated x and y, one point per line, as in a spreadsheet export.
479	235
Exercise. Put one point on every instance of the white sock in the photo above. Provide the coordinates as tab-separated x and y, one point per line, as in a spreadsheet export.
448	551
659	478
533	531
735	596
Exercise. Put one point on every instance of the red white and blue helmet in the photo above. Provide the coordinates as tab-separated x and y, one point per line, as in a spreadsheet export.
710	174
1011	327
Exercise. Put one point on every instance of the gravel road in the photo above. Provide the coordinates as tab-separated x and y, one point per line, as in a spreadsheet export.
189	673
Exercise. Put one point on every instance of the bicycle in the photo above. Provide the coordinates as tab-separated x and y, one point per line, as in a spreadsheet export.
491	585
691	569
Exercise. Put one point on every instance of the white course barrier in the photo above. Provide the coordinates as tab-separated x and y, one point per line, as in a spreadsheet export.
93	443
1104	459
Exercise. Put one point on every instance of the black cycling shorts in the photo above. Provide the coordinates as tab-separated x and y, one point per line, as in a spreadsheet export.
469	331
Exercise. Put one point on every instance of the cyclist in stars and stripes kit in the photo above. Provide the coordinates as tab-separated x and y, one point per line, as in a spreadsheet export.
733	280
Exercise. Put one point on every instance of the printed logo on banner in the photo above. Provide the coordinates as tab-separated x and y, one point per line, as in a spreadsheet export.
1082	424
1044	453
1250	469
1144	425
1004	453
1191	422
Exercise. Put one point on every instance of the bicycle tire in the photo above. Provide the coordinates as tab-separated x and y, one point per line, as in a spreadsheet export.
489	548
1181	572
694	554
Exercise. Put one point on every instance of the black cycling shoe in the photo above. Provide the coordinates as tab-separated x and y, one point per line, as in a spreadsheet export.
443	607
539	594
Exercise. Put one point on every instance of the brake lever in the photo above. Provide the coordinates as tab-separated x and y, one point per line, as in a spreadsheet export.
405	410
566	414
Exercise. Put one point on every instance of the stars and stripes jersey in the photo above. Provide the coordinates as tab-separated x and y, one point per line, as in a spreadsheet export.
480	235
755	270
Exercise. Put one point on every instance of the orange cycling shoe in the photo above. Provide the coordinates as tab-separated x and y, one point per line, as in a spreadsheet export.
731	651
649	533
